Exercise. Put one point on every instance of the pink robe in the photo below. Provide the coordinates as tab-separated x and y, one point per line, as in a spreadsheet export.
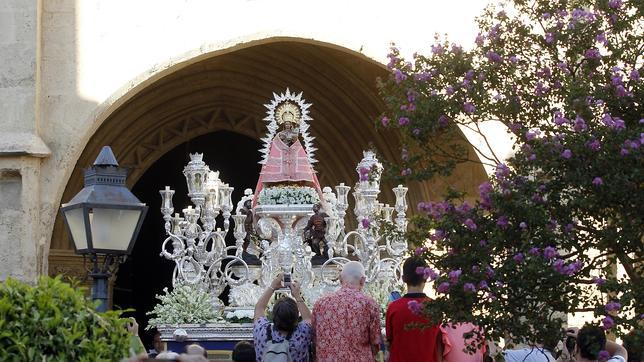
286	164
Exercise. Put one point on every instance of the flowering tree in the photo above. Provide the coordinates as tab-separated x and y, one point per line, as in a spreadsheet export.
556	218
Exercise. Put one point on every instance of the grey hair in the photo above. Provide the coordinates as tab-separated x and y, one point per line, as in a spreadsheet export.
352	273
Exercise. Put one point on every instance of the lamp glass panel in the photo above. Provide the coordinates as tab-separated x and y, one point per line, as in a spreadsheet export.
76	223
113	228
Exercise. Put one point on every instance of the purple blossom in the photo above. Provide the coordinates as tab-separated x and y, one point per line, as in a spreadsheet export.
621	92
419	251
475	269
430	274
546	15
566	154
518	257
613	122
449	90
502	222
593	144
550	252
423	76
635	75
601	38
534	251
480	38
603	356
597	181
612	306
468	107
454	275
489	272
523	225
513	59
470	224
469	288
403	121
592	53
399	76
411	107
483	285
443	287
599	281
580	124
615	4
437	49
365	223
493	57
559	266
385	121
550	37
414	306
623	152
530	135
532	157
482	242
502	171
405	172
608	322
560	119
443	120
416	131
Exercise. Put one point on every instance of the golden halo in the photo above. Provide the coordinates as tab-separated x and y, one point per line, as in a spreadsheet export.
288	112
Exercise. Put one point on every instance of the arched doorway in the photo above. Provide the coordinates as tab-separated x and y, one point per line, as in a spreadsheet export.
226	92
145	273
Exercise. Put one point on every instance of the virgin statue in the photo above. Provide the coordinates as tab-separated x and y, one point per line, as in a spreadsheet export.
287	161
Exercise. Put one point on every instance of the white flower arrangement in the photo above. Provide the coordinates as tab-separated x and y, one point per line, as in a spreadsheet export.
240	315
288	195
185	304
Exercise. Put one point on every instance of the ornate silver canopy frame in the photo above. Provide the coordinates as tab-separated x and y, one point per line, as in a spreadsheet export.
203	259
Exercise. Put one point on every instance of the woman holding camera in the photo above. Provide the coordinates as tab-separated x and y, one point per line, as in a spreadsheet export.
285	334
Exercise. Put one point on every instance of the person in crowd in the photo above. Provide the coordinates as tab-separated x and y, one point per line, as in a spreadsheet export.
196	350
244	352
455	339
284	332
536	352
412	344
157	344
591	345
347	322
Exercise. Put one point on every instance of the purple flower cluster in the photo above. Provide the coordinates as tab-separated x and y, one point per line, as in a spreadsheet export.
592	54
502	222
454	275
399	76
597	181
365	223
550	252
443	287
405	172
468	107
364	173
484	195
384	121
403	121
493	57
427	273
469	288
613	122
608	322
414	306
571	269
470	224
612	306
434	210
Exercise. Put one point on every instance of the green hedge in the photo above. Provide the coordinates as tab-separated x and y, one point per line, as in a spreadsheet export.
54	321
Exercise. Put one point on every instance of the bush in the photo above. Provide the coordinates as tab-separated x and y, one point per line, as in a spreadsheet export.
53	321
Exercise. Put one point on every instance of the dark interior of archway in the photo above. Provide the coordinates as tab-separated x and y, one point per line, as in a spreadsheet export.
145	273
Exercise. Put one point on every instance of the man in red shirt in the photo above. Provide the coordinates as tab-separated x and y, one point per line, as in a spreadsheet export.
347	323
412	344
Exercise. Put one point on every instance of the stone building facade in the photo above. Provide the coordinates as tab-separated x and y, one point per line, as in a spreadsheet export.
144	76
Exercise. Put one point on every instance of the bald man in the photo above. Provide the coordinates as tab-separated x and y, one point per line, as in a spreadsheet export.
347	323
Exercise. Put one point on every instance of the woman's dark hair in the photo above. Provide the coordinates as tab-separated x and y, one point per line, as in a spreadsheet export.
285	314
244	352
410	276
591	340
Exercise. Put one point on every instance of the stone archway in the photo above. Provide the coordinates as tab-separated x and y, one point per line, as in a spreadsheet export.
227	90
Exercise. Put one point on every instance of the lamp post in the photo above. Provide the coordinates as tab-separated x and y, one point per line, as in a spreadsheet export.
104	219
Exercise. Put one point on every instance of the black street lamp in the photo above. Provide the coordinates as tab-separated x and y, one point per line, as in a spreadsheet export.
104	219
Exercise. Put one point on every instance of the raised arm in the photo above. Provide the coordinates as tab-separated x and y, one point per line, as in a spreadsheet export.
301	306
260	307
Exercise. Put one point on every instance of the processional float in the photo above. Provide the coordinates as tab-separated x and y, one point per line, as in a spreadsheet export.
289	224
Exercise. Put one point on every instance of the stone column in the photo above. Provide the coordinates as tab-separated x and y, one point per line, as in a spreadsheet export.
21	149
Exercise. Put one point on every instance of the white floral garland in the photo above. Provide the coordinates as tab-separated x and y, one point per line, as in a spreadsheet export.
288	195
185	304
